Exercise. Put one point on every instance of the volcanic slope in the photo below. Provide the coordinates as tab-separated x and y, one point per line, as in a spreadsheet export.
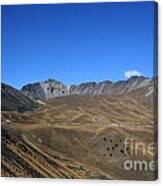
14	100
78	136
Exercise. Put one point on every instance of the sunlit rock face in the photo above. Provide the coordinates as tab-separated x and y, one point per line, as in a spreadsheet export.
110	88
45	90
53	88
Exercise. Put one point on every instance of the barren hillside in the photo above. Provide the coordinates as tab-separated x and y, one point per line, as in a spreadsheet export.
78	136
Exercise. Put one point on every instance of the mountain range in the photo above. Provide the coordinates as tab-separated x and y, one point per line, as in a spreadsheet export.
53	88
30	95
53	130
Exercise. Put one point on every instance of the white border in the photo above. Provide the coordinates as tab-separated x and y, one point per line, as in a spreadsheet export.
61	182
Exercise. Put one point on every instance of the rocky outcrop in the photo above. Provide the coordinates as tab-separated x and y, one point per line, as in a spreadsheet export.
45	90
52	88
14	100
110	88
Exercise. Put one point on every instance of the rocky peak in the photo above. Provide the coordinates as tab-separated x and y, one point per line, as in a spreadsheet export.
53	88
45	90
109	87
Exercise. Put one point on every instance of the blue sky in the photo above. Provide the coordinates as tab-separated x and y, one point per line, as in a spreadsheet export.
75	43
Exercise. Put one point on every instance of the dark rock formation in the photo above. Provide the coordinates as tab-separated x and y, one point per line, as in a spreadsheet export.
14	100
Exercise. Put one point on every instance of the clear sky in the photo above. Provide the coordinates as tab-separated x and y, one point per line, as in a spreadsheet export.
75	43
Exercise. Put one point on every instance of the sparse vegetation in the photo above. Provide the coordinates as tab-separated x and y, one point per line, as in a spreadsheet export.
77	136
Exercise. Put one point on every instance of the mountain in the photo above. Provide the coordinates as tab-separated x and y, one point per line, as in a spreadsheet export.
52	88
14	100
82	132
110	88
78	136
45	90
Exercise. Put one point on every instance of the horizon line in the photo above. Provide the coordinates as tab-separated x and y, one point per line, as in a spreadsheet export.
77	84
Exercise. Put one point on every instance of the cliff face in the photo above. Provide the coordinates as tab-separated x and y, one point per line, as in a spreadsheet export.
52	88
45	90
110	88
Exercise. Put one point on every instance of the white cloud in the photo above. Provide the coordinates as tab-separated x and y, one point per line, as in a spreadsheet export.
129	73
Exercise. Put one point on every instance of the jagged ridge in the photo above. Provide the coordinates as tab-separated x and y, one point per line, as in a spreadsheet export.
52	88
